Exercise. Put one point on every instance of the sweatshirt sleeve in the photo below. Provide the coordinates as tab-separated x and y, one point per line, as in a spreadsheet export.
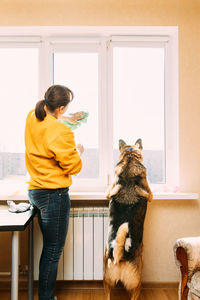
64	150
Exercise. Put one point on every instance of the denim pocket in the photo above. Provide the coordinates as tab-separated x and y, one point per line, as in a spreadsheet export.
40	198
63	199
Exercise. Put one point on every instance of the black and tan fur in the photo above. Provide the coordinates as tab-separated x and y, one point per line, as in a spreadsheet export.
128	197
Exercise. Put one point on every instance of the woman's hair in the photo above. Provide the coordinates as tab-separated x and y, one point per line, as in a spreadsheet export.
55	96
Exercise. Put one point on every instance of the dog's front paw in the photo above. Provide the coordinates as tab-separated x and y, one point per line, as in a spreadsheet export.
150	197
108	196
114	190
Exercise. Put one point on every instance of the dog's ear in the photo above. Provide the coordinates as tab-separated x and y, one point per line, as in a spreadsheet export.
138	144
121	144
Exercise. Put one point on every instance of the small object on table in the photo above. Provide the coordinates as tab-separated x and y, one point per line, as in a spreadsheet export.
18	208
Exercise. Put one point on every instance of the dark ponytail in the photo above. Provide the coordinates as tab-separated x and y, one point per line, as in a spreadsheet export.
55	96
39	110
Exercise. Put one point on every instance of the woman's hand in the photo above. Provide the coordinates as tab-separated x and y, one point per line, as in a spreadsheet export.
80	148
73	118
77	116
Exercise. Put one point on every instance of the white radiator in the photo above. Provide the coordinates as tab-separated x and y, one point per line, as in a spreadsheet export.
82	258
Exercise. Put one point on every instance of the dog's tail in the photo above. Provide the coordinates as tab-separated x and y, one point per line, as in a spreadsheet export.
120	240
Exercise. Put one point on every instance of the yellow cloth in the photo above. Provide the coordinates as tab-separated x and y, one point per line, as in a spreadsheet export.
51	155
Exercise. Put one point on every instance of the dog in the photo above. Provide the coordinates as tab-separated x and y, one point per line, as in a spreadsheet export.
128	196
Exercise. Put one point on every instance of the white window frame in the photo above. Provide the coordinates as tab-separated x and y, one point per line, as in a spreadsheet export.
65	45
47	38
170	105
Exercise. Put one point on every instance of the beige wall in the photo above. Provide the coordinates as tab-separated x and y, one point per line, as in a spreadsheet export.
166	220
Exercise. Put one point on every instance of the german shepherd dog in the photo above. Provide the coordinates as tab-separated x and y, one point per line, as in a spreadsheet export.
128	197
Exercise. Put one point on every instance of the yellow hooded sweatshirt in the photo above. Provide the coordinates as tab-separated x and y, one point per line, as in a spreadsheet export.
51	155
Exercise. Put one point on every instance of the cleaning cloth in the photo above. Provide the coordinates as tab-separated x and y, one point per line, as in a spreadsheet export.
78	122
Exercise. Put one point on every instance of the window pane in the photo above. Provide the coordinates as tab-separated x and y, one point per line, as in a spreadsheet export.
79	72
138	101
19	93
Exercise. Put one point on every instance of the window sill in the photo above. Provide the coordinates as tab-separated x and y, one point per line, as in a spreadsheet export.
156	196
101	196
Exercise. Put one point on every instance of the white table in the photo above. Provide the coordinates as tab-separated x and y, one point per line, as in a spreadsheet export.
16	222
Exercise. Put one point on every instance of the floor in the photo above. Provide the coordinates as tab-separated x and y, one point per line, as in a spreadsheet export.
98	294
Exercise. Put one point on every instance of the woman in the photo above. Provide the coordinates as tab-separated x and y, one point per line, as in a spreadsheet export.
51	158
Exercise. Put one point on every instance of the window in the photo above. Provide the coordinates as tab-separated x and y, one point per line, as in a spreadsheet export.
125	78
79	71
18	90
138	103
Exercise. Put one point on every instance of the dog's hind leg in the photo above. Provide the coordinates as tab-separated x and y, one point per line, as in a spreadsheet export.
107	290
135	294
120	242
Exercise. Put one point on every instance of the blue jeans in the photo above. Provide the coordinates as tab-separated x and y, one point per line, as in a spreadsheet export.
53	215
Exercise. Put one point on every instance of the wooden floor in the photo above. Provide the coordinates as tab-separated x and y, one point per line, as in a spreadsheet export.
98	294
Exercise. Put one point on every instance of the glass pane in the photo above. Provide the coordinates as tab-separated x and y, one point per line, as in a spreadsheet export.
79	72
19	93
138	99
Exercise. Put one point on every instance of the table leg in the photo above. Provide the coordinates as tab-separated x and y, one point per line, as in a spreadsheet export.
15	265
30	261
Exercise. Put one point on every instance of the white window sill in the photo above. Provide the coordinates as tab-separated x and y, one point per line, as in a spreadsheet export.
156	196
101	196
